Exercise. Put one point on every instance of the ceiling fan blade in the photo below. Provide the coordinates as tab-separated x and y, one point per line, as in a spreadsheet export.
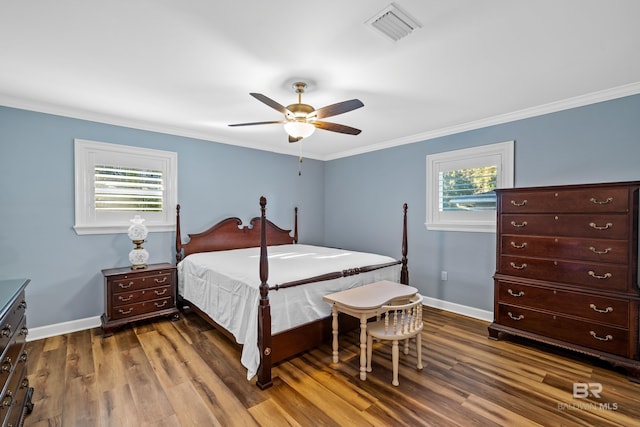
258	123
339	108
335	127
270	102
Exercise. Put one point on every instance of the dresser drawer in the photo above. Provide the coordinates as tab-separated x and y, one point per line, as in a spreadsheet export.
598	226
127	298
596	336
589	275
13	355
18	388
598	250
589	307
133	282
612	199
9	323
151	306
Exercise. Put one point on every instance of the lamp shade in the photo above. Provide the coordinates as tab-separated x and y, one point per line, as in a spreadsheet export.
299	129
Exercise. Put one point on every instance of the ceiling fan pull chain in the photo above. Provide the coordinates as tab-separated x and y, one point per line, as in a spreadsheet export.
300	158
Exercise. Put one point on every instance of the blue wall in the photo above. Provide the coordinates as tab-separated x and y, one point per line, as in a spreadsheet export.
354	202
37	210
596	143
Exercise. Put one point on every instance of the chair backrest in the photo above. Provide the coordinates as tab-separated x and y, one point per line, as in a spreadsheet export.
403	319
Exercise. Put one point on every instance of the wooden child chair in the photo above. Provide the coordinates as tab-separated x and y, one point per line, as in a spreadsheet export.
396	323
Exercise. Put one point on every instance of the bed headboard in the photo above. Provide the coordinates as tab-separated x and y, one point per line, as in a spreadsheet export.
231	234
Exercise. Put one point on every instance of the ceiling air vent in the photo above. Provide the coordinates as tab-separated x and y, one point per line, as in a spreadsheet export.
394	22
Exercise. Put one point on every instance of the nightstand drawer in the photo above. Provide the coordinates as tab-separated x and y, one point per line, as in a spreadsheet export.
142	308
127	298
133	282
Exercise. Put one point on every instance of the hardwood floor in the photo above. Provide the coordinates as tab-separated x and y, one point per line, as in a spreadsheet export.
184	373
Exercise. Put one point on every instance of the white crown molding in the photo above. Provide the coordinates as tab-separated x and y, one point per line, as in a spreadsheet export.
552	107
578	101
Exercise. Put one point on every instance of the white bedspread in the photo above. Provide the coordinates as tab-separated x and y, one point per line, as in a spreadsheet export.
225	285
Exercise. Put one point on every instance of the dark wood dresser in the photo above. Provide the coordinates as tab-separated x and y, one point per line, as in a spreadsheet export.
131	295
16	393
567	269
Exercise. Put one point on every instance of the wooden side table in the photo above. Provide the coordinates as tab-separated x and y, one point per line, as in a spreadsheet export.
131	295
363	302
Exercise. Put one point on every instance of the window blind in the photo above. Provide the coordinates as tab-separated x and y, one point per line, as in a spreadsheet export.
122	189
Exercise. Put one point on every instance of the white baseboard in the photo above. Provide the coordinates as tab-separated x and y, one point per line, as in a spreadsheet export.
63	328
464	310
93	322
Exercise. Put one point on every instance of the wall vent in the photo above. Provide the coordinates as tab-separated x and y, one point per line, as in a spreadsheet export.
394	22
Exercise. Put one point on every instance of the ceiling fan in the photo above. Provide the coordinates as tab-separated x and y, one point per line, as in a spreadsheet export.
301	120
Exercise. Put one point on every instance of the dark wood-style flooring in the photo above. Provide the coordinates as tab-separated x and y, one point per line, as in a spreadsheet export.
184	373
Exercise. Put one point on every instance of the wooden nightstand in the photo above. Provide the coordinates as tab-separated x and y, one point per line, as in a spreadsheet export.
131	295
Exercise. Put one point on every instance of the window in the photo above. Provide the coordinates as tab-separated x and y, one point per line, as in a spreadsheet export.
460	186
116	182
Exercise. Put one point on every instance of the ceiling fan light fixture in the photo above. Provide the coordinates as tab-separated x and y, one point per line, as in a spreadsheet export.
298	129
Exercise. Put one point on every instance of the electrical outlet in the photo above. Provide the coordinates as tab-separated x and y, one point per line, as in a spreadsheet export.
444	275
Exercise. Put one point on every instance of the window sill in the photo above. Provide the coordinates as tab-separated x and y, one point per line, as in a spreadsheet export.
119	228
468	227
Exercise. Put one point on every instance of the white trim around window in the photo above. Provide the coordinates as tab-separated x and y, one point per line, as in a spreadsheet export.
500	155
89	154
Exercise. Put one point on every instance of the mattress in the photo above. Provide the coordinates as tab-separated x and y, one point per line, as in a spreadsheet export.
225	285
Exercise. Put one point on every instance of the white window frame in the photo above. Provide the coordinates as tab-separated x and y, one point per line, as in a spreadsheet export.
88	154
500	154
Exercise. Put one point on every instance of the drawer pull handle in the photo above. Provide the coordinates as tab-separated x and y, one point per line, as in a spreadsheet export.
519	267
158	305
598	202
123	286
6	331
604	276
606	310
607	338
23	357
515	294
520	317
519	225
517	246
595	251
6	365
123	299
600	227
164	291
125	311
24	331
23	304
25	383
8	400
164	279
522	203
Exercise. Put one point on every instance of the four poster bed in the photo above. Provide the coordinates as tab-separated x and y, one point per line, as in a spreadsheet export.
218	280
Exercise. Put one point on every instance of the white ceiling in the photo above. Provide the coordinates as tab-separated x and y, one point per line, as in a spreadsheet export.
186	67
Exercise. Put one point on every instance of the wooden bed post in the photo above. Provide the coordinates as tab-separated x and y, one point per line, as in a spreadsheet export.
404	272
264	309
178	237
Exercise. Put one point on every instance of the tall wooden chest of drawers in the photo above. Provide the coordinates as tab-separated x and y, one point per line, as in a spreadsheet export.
15	400
567	269
131	295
